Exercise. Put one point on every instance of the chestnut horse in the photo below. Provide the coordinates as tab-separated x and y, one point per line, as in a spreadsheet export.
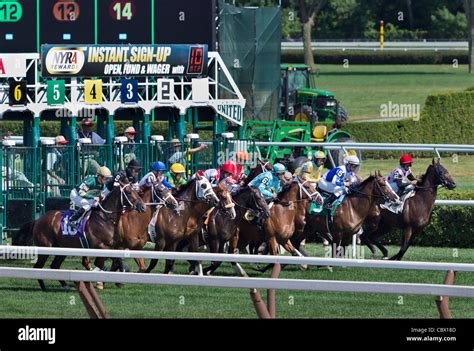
363	199
132	227
221	228
415	215
172	227
280	225
99	229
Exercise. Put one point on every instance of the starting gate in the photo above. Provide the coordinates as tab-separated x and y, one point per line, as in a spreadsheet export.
21	183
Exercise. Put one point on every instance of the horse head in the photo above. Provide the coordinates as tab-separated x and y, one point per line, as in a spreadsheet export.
308	190
442	176
128	196
165	195
226	203
383	190
205	192
258	203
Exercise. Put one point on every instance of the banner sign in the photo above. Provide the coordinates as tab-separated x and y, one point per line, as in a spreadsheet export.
123	60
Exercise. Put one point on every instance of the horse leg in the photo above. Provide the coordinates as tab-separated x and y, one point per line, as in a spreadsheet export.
159	246
273	250
99	266
235	242
56	264
215	246
407	239
194	247
141	265
169	265
86	262
40	262
365	240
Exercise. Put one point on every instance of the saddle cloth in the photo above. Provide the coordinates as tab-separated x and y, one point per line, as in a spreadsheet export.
67	231
398	208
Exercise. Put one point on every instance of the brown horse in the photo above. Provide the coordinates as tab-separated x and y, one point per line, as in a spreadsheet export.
132	227
416	212
172	227
362	200
280	225
99	229
221	228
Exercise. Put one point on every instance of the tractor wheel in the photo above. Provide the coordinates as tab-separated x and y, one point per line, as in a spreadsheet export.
339	156
342	114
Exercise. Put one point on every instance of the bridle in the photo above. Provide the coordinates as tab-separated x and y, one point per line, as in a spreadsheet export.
122	196
313	197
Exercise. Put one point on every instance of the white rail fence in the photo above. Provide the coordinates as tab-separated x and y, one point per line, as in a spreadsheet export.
375	45
240	282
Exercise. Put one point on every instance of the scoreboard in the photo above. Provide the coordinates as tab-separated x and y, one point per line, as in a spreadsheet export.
26	24
67	22
18	26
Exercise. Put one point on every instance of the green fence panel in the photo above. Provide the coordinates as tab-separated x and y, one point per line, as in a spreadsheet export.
92	156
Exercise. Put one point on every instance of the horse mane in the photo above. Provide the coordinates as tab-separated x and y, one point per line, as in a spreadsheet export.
364	182
186	186
425	175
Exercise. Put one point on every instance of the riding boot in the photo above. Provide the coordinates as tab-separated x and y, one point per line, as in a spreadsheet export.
329	201
74	219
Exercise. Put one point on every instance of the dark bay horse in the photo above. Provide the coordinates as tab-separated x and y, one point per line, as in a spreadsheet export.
172	227
415	215
99	229
221	228
363	200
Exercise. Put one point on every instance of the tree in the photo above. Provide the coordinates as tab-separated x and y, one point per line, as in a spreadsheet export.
309	10
469	9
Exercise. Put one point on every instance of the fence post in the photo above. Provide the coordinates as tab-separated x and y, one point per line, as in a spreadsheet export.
442	302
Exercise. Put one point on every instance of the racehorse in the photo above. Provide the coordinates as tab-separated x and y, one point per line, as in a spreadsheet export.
415	215
195	198
280	225
132	227
99	229
363	200
221	228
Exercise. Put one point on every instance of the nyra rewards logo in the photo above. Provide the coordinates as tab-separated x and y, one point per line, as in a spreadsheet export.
64	60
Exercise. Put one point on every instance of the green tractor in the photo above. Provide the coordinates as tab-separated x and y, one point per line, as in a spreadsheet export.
301	101
302	107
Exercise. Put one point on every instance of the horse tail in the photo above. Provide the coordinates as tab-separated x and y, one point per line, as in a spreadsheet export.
24	237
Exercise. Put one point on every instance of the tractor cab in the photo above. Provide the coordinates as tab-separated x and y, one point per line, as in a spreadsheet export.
301	101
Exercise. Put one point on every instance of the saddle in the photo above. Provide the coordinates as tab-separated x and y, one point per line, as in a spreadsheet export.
398	208
75	232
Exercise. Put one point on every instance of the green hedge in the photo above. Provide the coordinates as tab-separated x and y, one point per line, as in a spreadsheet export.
450	226
368	57
445	119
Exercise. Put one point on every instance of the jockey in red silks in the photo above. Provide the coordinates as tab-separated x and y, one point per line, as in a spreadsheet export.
242	158
224	174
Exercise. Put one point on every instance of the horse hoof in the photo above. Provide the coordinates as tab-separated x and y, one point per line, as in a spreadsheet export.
385	258
99	286
329	268
304	267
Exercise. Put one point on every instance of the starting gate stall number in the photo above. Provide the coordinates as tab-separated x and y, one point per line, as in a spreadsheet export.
67	21
18	26
124	21
93	91
17	93
129	91
56	92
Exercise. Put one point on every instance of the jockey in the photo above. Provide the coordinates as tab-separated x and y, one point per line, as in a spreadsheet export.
312	170
176	175
156	175
87	194
337	180
269	183
401	179
223	174
132	171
